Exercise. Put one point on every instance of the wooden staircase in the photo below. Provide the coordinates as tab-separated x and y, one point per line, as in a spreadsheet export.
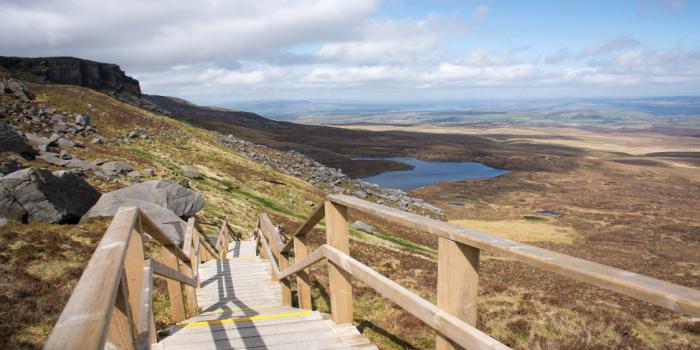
238	293
241	307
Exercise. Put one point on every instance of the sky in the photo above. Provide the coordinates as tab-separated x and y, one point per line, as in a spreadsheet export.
217	51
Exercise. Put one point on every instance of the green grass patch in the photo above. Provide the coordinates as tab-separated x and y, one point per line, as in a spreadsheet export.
535	218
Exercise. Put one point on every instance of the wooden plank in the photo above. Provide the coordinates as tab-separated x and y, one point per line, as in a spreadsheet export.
338	280
84	321
457	330
169	268
146	330
163	270
671	296
458	284
133	275
303	279
315	217
271	233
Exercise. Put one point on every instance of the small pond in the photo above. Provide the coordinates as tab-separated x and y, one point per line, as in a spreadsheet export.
429	172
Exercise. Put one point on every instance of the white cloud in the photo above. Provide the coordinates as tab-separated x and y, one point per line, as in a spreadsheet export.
220	50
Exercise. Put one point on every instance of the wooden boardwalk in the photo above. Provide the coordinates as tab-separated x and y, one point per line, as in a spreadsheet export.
241	307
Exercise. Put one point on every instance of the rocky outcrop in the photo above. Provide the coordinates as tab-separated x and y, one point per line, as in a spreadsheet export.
103	77
11	141
182	201
37	195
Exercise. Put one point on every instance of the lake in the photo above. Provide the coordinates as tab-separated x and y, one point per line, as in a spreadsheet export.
429	172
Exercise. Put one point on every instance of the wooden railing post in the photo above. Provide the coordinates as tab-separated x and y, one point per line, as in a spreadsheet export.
338	279
303	279
285	284
190	292
177	303
458	284
120	331
133	274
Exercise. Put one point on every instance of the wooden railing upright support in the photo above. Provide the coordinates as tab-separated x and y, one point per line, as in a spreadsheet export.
458	284
177	302
303	279
338	279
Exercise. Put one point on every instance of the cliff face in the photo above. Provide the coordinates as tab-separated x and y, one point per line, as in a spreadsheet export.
103	77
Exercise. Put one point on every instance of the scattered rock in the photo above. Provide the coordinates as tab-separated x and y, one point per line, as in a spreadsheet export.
37	195
11	141
191	173
3	221
309	203
133	134
82	119
99	161
65	143
65	155
148	172
360	194
182	201
133	174
363	226
114	168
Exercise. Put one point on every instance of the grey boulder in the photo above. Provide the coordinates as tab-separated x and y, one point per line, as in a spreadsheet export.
191	173
11	141
182	201
37	195
166	220
115	168
363	226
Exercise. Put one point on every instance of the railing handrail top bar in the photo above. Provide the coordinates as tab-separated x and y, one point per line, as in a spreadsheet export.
669	295
315	217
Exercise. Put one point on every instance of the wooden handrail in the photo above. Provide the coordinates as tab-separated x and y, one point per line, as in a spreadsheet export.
314	257
454	316
671	296
459	331
163	270
314	219
84	322
112	302
269	229
271	257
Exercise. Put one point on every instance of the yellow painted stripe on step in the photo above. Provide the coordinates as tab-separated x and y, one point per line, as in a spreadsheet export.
243	319
256	307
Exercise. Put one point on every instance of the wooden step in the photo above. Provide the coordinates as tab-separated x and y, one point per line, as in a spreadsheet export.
241	307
